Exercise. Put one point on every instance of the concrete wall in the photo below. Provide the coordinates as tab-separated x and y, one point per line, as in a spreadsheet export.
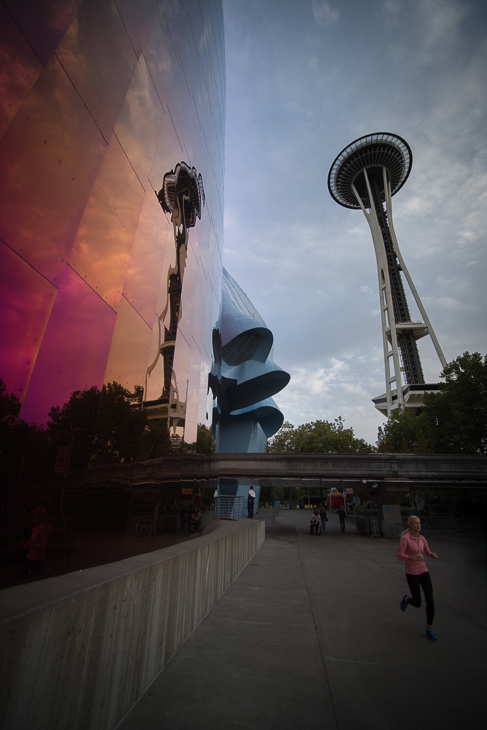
79	650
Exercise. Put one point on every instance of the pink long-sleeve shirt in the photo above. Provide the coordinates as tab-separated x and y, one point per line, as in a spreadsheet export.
409	546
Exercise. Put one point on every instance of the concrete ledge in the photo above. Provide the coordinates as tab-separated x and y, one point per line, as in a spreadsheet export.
79	650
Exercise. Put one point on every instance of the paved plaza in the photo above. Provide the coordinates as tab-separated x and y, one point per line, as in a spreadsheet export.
310	635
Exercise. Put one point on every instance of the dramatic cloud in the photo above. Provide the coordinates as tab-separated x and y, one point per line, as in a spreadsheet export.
302	83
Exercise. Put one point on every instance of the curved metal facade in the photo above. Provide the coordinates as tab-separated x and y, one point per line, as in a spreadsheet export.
105	98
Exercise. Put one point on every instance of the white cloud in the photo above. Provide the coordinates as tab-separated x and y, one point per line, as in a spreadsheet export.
324	14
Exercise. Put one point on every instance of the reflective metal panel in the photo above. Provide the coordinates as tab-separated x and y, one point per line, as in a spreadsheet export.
179	102
137	19
46	178
130	348
103	244
179	387
139	122
188	297
159	55
100	65
74	349
26	300
193	391
43	23
168	153
145	269
23	69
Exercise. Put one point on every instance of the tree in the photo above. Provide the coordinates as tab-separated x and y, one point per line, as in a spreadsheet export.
453	421
404	433
112	428
318	437
205	443
24	447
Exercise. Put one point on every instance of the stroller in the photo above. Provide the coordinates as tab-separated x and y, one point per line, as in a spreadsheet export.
315	526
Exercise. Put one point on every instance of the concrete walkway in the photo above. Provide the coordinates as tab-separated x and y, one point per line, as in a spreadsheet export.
310	635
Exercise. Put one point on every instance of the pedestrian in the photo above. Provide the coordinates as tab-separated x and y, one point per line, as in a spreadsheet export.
323	517
250	503
411	549
342	515
37	544
314	526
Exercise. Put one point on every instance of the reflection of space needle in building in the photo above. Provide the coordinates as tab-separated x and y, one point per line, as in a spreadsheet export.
182	195
366	175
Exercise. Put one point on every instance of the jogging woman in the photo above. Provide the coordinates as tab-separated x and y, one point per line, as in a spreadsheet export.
411	549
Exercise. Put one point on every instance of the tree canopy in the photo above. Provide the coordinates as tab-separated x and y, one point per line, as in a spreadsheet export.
318	437
453	421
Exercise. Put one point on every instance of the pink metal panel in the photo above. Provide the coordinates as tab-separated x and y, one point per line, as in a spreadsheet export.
74	350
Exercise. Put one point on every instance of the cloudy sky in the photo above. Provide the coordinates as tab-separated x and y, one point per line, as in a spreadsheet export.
304	79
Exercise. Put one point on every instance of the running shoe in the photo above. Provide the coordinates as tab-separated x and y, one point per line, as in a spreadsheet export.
404	603
431	635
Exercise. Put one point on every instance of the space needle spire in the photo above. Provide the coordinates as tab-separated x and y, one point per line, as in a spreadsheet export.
365	175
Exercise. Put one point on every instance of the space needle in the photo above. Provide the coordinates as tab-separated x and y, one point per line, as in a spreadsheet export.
365	175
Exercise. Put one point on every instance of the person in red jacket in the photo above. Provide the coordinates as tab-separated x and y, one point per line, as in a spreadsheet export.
34	560
412	549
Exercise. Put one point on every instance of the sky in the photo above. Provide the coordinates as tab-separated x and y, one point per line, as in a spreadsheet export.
305	78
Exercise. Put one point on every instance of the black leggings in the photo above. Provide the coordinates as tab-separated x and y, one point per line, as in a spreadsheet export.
422	580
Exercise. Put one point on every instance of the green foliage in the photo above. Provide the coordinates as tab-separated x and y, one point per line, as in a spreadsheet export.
404	433
205	443
453	421
318	437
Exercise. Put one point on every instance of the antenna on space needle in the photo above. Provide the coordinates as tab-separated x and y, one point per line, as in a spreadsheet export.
366	175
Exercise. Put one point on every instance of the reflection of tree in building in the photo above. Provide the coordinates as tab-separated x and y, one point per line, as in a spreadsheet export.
182	196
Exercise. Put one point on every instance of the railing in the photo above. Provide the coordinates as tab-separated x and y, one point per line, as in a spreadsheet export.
229	507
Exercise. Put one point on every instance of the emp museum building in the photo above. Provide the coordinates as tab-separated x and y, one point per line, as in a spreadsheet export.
125	345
